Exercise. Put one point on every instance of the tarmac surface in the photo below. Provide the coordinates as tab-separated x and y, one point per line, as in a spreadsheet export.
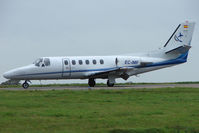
148	86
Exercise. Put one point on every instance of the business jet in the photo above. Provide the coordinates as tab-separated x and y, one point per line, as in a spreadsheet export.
174	52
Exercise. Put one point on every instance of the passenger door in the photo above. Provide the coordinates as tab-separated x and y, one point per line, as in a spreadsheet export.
66	70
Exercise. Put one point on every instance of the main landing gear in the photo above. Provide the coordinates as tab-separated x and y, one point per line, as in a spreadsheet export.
91	82
109	84
25	85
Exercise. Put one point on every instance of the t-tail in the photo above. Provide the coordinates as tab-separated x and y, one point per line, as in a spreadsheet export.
180	41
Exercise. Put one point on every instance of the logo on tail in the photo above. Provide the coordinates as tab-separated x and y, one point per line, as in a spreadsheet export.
177	38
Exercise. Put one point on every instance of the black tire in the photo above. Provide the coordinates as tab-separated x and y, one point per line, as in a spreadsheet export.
110	84
25	85
91	82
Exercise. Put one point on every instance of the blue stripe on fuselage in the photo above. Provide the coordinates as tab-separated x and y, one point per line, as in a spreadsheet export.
72	71
181	59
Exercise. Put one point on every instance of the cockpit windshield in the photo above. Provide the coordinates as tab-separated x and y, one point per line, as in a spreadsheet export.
38	62
42	62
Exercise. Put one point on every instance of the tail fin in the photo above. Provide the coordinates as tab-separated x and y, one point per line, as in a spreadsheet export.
180	40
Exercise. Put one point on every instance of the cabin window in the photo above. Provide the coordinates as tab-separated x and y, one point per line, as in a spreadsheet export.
101	61
87	62
94	62
66	62
47	62
73	62
80	62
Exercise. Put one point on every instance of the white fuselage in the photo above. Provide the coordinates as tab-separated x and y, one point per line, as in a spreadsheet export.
82	67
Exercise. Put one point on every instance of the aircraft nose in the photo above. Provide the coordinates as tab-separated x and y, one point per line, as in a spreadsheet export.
14	73
7	75
10	74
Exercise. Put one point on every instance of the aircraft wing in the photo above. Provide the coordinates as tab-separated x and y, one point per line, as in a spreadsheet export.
103	74
119	71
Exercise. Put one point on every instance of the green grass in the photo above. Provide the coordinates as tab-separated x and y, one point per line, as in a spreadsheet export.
97	111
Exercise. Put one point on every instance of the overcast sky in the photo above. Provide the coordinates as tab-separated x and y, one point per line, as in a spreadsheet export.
34	28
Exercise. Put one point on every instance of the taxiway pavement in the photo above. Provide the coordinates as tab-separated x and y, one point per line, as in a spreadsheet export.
105	87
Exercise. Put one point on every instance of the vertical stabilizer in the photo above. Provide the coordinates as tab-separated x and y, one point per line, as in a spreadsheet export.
180	40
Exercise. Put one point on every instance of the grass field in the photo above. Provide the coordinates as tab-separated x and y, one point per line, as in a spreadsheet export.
164	110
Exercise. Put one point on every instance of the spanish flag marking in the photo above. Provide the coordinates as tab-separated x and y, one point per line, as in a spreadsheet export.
185	26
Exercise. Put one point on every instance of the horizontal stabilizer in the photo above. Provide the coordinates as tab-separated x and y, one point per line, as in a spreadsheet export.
179	50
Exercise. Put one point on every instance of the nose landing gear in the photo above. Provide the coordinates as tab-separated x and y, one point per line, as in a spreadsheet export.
25	85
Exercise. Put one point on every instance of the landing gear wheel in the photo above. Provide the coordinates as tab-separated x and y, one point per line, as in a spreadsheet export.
91	82
110	84
25	85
